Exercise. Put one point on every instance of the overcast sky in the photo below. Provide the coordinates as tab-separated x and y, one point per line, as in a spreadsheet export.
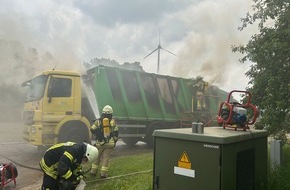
199	32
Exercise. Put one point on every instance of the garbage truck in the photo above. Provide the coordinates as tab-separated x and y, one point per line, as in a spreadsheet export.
61	105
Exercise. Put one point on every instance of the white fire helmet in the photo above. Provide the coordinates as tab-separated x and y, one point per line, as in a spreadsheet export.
92	153
107	110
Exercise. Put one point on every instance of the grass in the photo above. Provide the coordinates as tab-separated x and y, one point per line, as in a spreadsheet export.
278	178
126	173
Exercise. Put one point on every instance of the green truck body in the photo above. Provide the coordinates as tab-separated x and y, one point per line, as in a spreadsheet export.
141	101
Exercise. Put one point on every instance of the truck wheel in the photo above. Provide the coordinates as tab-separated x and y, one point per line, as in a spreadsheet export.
149	139
149	134
130	141
73	134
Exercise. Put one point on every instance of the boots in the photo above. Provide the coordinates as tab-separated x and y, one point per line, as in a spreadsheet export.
94	169
103	175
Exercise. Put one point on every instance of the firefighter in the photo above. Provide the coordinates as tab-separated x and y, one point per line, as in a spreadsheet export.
200	87
61	164
106	133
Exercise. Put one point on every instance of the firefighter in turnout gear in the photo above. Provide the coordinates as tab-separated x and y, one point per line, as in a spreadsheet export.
106	133
200	87
61	165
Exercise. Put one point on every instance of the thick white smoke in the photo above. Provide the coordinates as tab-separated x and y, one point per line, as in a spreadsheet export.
38	35
207	48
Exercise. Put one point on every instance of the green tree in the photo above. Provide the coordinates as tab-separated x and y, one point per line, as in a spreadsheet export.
269	51
112	63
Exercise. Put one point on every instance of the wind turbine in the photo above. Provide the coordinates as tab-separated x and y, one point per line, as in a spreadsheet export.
158	49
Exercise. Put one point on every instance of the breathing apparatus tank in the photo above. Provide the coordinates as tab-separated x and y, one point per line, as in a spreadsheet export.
106	127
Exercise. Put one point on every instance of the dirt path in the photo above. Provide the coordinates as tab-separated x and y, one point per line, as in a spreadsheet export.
24	156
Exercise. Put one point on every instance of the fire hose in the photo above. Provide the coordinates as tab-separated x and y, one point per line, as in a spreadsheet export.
84	172
119	176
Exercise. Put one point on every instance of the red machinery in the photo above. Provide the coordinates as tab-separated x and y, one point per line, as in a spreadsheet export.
8	174
234	114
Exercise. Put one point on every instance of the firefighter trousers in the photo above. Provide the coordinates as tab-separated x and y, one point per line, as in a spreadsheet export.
103	161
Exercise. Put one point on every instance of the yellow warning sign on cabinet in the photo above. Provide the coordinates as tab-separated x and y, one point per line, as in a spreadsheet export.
184	161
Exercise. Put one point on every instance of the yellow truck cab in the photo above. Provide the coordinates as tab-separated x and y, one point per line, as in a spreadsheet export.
52	109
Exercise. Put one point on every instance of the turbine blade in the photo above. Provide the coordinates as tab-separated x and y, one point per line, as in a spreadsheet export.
150	53
168	51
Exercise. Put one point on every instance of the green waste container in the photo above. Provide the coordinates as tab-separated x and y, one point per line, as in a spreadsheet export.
218	159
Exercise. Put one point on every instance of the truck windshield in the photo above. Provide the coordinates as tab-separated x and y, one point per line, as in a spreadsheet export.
36	88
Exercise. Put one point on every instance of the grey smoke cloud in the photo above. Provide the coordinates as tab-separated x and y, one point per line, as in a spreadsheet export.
199	32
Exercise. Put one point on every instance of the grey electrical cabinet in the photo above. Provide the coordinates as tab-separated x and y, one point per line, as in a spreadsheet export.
218	159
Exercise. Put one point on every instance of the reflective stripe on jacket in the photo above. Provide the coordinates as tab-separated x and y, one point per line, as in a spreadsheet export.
62	159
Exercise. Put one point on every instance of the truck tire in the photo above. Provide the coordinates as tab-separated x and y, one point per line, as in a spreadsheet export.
149	134
73	134
130	141
149	139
